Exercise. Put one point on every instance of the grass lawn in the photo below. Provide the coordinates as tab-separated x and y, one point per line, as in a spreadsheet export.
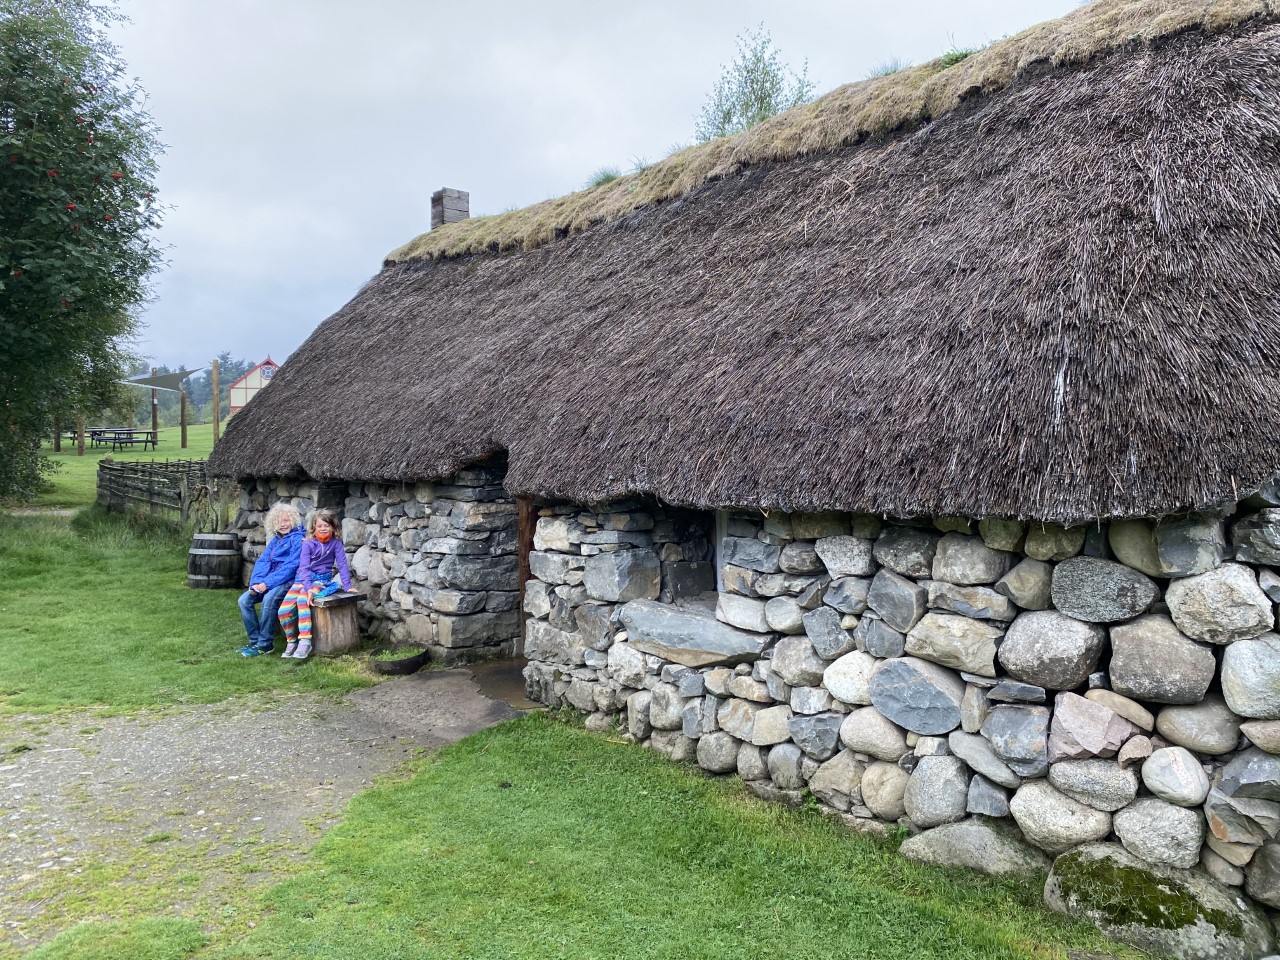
96	612
75	483
539	840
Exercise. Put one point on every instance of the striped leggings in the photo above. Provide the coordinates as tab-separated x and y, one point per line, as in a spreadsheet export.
295	612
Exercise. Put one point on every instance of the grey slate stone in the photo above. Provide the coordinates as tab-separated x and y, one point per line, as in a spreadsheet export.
1100	591
623	575
1190	545
1257	539
986	799
799	558
879	639
848	594
718	752
1050	649
784	766
689	636
1242	820
1252	773
838	782
981	603
816	734
981	757
1015	691
1020	737
829	639
917	695
478	573
1134	544
846	556
899	601
745	613
1263	876
784	615
751	554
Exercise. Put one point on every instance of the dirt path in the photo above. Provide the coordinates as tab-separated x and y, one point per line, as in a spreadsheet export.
178	812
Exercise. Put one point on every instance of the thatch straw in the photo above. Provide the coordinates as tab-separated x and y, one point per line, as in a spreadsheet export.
847	115
1061	301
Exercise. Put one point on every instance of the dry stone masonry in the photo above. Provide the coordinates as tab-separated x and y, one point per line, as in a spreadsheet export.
1102	702
437	561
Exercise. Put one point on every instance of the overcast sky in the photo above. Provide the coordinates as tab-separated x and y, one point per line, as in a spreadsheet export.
305	137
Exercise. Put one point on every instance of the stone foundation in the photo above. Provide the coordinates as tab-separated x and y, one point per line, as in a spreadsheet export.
1008	692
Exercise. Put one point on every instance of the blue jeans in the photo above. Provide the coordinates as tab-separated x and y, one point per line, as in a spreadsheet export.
261	628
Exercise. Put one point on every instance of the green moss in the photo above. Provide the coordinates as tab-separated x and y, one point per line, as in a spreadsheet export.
1131	896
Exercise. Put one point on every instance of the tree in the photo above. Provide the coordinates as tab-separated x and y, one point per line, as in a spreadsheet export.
77	216
756	86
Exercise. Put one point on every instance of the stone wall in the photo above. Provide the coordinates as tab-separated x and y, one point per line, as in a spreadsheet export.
1009	693
438	561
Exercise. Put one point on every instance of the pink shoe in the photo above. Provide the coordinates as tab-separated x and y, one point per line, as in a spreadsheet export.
288	651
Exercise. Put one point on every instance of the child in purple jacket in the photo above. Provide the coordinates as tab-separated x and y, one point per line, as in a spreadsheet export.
322	551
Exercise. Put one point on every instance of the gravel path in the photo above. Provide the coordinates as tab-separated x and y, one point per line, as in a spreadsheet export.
191	805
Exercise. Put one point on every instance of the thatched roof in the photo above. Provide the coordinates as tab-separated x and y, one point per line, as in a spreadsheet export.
1060	300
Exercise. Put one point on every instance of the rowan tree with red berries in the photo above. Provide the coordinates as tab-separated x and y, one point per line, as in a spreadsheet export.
77	219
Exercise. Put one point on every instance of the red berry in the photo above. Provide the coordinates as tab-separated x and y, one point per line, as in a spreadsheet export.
71	206
107	217
117	175
53	173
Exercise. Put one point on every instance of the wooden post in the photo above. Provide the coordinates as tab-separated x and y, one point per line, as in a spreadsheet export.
217	402
155	410
79	434
527	522
182	416
57	435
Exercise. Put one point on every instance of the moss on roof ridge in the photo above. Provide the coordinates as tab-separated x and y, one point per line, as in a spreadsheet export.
845	116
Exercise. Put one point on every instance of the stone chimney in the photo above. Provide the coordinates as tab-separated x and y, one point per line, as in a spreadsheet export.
449	206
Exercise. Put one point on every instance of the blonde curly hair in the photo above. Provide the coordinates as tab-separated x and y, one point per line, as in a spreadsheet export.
283	508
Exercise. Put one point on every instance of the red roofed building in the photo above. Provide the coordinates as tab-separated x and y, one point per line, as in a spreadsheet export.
244	389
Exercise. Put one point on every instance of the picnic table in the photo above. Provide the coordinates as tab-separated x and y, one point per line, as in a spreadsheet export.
121	437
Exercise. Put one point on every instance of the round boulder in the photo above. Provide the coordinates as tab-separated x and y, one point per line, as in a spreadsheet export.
1222	606
1207	727
1100	591
1050	649
1152	660
1053	821
1174	775
1161	833
1251	677
937	791
883	787
869	731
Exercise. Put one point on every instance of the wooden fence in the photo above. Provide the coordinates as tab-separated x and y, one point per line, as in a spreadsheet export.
170	487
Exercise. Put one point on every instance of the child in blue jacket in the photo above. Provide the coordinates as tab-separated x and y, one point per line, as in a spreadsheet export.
272	575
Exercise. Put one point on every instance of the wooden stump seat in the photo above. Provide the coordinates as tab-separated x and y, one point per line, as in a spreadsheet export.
335	628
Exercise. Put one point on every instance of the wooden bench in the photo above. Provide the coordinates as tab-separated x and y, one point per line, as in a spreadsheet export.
335	629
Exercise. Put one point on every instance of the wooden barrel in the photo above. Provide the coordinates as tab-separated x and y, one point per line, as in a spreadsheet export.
213	562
